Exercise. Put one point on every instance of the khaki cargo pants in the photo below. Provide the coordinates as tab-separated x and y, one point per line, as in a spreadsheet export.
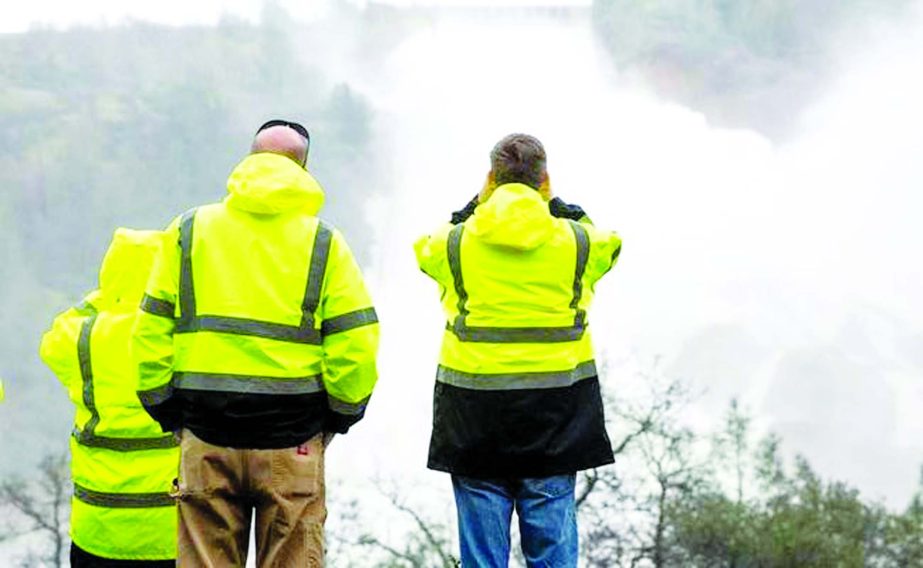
218	489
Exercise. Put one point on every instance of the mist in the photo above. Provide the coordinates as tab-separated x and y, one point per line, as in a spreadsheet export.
771	271
768	198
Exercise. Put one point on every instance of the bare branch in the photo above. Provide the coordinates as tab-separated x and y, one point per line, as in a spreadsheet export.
591	478
435	543
371	540
44	506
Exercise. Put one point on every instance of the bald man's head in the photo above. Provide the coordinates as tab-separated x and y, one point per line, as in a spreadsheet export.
281	140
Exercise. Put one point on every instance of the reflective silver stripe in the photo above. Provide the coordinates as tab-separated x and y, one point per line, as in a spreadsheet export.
158	395
305	332
472	334
347	408
158	307
485	334
247	384
516	381
351	320
583	254
187	309
123	500
91	440
87	435
254	328
320	253
86	372
453	254
86	309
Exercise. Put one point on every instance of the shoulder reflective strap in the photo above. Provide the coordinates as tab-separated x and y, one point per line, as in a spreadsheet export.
320	254
453	254
583	254
485	334
248	384
516	381
86	372
305	332
123	500
90	440
187	309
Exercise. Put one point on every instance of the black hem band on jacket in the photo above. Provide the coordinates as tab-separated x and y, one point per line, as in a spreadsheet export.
256	421
80	558
519	433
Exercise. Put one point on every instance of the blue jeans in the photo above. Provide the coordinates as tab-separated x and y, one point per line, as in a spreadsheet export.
547	520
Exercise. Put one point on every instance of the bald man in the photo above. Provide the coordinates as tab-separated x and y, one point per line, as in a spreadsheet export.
283	140
257	342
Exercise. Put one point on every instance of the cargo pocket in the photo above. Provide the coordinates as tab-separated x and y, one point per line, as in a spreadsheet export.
298	473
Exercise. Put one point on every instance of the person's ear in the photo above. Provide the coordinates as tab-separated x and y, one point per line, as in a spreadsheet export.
489	186
545	188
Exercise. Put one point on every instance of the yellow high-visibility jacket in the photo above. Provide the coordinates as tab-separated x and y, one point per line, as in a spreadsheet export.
122	464
516	387
256	329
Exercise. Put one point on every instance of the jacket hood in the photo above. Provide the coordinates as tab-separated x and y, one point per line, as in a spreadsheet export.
514	216
269	184
125	268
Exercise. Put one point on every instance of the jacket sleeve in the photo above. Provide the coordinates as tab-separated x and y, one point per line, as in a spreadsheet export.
605	247
562	210
349	326
152	335
432	257
59	345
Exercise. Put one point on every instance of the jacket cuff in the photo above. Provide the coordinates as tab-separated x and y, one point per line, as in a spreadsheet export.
462	214
558	208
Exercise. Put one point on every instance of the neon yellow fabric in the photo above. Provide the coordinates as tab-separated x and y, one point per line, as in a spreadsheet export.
270	216
518	266
269	184
109	409
2	394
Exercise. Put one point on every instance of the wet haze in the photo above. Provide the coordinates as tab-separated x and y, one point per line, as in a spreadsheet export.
773	268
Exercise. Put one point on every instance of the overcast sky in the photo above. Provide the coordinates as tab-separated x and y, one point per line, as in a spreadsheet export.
19	16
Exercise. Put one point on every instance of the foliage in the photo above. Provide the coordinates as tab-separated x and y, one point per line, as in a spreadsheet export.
743	62
741	505
130	126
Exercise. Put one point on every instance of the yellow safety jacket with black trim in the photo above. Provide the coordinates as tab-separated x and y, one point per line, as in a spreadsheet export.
256	330
122	464
517	391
